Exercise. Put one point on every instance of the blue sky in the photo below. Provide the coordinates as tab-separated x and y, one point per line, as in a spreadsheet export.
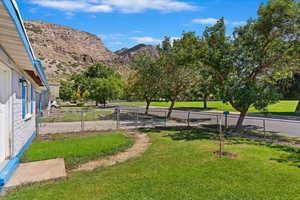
125	23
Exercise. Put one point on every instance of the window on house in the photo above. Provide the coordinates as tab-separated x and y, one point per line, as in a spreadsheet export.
27	99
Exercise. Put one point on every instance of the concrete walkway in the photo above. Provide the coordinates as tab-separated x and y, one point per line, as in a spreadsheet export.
38	171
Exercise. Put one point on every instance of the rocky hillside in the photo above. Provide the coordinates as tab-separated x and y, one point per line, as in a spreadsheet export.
127	54
64	50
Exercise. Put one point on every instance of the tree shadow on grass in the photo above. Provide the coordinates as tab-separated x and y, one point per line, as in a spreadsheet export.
185	133
195	108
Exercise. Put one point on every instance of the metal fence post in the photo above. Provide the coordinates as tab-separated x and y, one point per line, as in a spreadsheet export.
220	139
118	118
166	119
137	119
264	121
188	119
82	120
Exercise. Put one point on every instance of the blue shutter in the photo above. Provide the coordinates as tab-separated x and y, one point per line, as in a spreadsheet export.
31	99
23	101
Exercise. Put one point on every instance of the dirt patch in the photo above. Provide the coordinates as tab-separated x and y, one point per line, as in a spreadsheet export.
142	143
225	154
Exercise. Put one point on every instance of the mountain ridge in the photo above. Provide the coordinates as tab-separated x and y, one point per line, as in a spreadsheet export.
64	50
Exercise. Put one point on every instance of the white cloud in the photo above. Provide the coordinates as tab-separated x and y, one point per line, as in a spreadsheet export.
205	21
148	40
124	6
135	6
99	8
61	5
212	21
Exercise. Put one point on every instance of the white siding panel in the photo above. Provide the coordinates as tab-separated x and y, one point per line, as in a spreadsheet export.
23	129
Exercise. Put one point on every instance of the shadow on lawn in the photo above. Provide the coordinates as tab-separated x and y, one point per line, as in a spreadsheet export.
195	108
190	133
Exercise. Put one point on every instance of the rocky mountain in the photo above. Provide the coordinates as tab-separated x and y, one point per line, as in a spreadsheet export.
64	50
127	54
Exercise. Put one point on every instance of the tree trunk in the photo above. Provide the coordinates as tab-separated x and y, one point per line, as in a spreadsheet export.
171	109
104	103
97	103
239	124
205	101
298	107
147	107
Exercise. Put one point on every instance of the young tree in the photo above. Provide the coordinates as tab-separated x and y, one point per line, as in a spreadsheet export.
145	82
178	60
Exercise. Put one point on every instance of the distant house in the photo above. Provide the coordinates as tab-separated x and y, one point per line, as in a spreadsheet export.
23	86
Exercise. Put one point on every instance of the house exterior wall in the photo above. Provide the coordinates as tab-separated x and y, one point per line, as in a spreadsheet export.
23	129
5	111
17	55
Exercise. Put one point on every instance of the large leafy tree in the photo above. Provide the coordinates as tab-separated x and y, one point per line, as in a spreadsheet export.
99	83
104	83
178	59
104	89
145	82
260	53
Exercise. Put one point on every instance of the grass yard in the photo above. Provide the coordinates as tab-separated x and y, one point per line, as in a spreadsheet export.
76	148
180	165
282	107
69	114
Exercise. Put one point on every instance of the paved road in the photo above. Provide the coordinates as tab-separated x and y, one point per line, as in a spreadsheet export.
278	126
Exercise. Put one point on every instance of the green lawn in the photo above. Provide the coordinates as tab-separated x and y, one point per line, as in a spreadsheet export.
280	107
68	116
75	148
180	165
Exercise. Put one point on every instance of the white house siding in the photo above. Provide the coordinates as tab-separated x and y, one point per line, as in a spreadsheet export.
5	108
22	129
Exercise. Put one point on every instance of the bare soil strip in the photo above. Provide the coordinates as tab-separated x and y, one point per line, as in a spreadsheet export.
142	143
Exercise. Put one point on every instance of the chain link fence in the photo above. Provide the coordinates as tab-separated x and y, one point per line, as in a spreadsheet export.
62	120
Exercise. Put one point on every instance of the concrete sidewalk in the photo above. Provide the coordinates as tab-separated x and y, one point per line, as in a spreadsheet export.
39	171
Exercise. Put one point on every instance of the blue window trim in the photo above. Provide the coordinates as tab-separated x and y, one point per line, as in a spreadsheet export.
13	12
31	99
23	101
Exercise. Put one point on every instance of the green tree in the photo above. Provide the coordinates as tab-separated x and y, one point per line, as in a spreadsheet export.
145	82
104	89
103	83
80	84
260	53
178	59
66	91
290	88
204	88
